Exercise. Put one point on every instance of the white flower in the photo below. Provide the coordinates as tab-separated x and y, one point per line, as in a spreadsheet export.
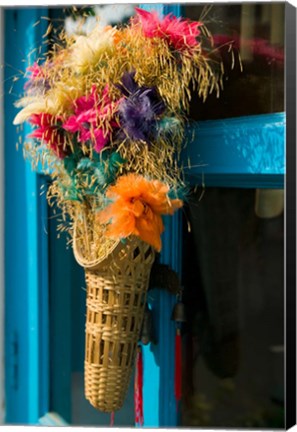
33	106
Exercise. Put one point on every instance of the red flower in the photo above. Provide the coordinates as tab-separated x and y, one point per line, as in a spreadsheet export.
49	130
179	32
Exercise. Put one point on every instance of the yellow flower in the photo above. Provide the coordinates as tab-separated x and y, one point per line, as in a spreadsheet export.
64	93
87	51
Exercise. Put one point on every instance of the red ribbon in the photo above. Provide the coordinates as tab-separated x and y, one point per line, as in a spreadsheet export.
138	383
178	366
111	418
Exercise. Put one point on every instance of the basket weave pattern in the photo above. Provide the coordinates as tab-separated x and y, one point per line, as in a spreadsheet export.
116	294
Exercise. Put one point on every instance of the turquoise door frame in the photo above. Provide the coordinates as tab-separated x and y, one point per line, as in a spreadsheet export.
219	157
25	255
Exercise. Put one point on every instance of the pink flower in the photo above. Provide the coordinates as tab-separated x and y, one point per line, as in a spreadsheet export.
49	130
36	71
179	32
89	118
37	82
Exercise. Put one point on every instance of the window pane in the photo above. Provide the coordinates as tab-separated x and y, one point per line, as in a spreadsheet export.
256	31
233	373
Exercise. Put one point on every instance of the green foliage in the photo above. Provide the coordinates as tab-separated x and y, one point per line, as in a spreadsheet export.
181	193
89	177
168	125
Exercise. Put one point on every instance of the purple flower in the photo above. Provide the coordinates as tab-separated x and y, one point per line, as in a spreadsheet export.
139	109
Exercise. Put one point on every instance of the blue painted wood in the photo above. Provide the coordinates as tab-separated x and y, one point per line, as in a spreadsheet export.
163	8
32	204
158	390
60	321
242	152
158	7
52	419
160	408
22	261
171	255
43	281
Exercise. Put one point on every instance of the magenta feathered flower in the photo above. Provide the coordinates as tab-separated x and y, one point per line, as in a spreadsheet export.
90	114
181	33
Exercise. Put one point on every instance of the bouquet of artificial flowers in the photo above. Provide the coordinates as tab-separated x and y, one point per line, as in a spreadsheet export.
108	112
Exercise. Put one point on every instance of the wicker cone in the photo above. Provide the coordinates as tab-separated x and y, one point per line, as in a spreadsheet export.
116	294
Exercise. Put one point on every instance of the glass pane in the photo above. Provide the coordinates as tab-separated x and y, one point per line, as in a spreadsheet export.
256	31
233	350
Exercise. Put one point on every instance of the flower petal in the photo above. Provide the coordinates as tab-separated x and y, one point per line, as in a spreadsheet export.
137	207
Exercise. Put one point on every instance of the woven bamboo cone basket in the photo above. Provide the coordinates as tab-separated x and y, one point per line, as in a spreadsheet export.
117	284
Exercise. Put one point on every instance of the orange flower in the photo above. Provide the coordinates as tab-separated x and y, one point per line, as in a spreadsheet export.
137	208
